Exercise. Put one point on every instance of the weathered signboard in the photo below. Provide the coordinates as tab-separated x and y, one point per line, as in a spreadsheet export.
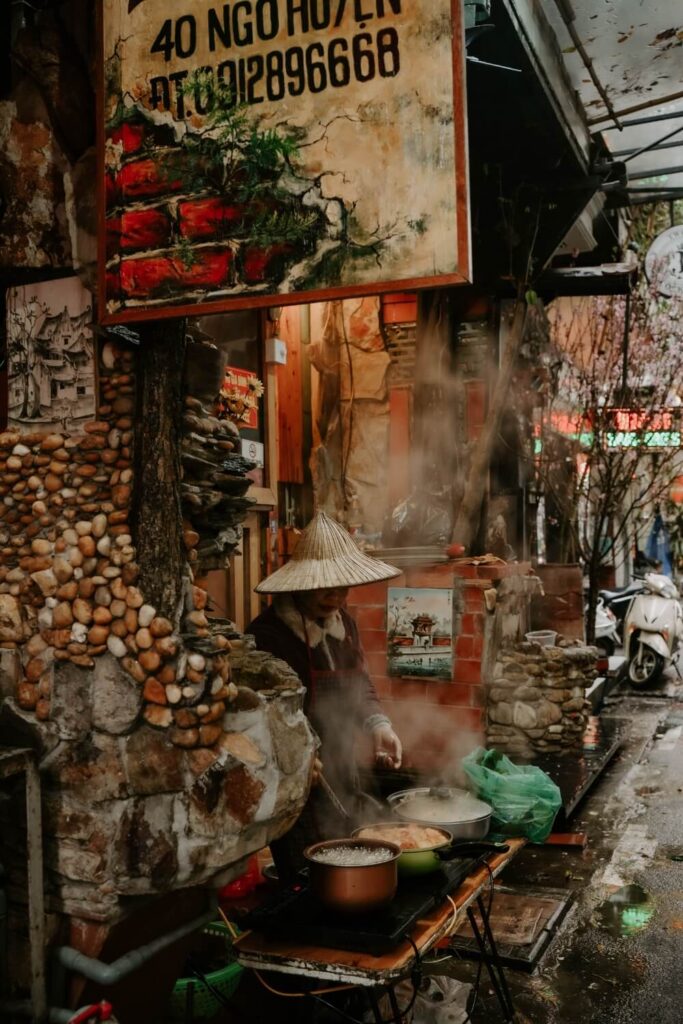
269	151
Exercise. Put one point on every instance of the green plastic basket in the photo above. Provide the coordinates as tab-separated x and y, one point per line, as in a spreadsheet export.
225	980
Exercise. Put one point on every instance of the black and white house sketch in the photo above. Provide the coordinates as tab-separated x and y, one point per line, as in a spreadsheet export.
50	355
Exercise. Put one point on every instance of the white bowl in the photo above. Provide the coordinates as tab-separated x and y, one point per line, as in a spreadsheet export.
544	637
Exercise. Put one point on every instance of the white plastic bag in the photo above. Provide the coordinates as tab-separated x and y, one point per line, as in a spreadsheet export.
442	1000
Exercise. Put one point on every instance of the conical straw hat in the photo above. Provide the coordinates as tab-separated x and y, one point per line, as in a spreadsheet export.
326	557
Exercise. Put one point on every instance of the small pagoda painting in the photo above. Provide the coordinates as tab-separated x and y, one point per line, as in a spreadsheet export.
420	632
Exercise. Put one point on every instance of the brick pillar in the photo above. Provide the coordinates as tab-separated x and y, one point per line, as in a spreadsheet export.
438	720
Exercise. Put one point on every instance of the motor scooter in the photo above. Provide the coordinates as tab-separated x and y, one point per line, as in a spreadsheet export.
618	601
653	629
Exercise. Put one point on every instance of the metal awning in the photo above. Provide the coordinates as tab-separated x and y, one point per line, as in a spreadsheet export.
605	279
625	59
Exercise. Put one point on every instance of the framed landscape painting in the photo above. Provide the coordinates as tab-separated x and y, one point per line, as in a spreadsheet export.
420	632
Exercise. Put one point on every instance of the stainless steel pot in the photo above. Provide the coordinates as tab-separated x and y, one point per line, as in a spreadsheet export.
353	889
438	805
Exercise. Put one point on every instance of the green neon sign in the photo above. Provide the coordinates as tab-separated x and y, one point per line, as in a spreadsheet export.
646	439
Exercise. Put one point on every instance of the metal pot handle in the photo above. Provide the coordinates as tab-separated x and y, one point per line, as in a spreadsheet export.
473	849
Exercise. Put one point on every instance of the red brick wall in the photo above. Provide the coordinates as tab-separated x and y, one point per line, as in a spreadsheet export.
399	308
438	720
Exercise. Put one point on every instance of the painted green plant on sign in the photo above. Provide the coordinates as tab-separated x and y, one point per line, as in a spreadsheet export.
236	145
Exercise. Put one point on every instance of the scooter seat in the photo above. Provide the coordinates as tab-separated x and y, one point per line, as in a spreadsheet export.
611	595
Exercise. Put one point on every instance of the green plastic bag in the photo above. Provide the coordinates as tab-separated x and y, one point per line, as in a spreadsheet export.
524	799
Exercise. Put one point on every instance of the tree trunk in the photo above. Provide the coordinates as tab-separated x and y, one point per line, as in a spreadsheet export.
467	519
157	514
432	471
593	585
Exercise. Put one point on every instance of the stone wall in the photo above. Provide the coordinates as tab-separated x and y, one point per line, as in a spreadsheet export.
34	223
536	702
168	749
68	573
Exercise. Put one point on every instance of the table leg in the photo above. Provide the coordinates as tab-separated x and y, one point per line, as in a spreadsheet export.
492	963
373	996
494	954
393	1002
341	1013
374	1005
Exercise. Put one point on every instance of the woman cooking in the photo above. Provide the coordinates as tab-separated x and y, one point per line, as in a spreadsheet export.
308	627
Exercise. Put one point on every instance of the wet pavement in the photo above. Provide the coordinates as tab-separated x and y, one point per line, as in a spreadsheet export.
618	956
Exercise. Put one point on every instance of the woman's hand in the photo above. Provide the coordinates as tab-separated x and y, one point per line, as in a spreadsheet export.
388	750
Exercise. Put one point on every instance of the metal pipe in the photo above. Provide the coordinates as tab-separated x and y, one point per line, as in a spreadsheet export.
631	201
645	120
488	64
13	761
631	154
641	106
568	15
36	902
618	153
652	189
110	974
23	1008
655	173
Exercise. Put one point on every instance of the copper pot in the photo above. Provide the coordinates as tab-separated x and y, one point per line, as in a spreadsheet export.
354	889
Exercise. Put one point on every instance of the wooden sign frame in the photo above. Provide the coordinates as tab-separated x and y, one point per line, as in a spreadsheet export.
157	256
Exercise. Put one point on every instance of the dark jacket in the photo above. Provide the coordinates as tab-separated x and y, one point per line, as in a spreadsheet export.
274	635
338	703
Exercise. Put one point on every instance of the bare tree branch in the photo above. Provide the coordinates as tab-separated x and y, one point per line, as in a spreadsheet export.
598	432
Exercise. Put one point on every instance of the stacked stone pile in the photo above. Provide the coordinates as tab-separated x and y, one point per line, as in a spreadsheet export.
66	552
214	487
537	699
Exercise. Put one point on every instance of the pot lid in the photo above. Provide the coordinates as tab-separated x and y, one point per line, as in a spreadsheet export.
439	804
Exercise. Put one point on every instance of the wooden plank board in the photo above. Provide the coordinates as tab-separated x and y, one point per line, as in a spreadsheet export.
290	402
345	966
571	839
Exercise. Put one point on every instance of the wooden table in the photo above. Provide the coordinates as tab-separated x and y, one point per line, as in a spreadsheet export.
340	966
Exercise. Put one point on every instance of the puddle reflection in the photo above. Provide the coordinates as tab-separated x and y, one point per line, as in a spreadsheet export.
626	912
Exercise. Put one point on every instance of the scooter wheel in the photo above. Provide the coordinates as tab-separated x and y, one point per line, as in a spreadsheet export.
646	667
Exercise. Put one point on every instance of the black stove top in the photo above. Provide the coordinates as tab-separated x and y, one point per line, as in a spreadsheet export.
295	915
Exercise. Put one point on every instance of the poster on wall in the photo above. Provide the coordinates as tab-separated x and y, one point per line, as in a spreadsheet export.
274	151
239	396
50	356
420	632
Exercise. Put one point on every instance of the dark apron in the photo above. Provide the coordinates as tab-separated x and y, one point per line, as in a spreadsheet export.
334	709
